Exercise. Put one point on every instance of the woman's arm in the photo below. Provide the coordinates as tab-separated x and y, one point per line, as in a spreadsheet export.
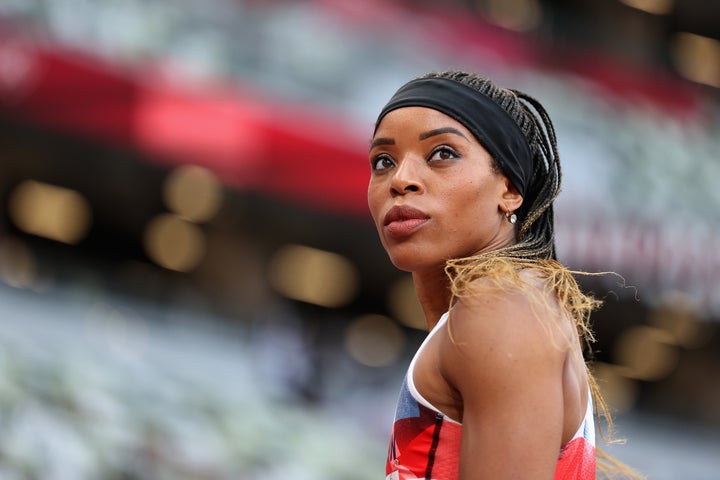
507	369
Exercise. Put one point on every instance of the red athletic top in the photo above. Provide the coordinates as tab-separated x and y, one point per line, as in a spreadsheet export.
425	443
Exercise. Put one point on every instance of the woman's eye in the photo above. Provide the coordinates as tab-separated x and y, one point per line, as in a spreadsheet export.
382	162
443	153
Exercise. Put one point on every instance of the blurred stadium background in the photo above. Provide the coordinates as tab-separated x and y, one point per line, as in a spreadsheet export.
191	287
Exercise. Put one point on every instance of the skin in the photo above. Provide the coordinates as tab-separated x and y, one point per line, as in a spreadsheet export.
510	363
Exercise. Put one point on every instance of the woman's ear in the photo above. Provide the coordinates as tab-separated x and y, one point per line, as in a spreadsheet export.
511	198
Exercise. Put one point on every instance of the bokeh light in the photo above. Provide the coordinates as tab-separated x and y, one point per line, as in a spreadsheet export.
678	316
519	15
656	7
193	192
697	58
174	243
313	276
646	353
618	391
404	304
374	340
50	211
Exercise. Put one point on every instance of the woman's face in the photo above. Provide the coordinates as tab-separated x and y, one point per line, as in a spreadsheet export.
433	192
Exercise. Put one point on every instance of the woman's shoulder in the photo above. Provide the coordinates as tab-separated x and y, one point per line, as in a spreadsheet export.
496	307
498	337
513	316
526	293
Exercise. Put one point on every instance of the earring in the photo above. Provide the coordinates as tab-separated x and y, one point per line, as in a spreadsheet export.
512	218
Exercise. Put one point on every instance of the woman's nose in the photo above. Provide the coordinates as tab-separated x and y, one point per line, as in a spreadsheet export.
406	178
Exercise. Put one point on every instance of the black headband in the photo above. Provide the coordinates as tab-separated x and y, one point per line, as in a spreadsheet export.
487	121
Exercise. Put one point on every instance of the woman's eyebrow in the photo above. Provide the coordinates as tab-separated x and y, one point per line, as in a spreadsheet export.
382	141
440	131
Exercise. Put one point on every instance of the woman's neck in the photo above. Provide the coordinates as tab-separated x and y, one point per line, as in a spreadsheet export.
433	292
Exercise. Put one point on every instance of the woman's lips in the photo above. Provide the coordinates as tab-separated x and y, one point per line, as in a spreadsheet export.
404	228
402	221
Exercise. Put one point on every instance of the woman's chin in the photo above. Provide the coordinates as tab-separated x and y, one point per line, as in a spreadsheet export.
402	263
411	263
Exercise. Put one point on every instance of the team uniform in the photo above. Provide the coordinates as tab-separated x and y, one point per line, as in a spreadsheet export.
425	443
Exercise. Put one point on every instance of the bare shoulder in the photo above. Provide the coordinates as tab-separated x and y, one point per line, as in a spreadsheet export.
510	331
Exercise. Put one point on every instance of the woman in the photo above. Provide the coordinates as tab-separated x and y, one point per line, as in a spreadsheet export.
463	176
